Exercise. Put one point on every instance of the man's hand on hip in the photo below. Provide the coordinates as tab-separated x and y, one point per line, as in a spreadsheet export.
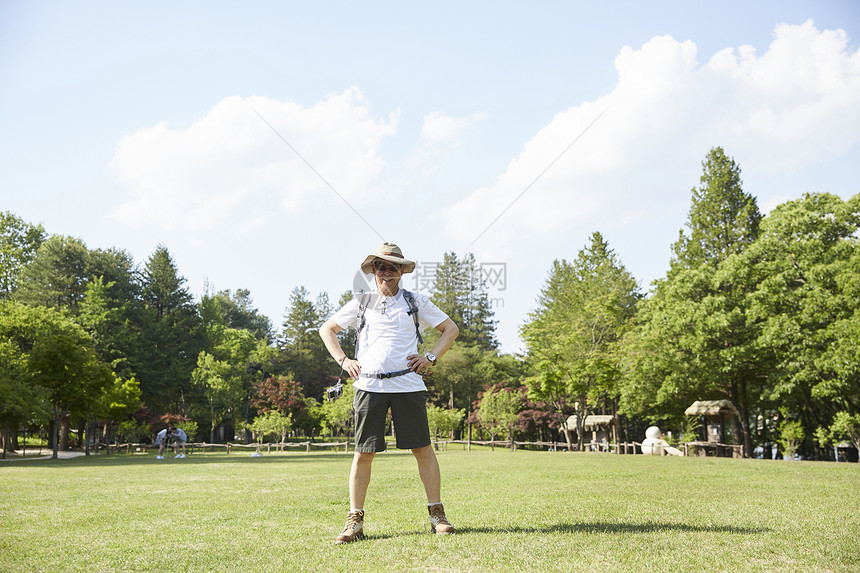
353	367
418	363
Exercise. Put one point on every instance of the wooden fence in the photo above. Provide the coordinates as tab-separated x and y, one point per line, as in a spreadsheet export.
629	448
201	447
620	448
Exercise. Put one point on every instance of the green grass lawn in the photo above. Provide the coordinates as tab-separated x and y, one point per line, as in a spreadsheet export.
522	511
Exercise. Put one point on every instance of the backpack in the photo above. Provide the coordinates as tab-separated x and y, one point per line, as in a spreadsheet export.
362	308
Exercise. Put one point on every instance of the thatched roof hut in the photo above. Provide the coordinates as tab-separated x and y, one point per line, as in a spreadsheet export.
717	413
711	408
598	428
591	422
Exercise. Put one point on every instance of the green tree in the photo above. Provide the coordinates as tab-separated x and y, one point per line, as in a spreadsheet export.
454	381
214	378
97	287
461	292
768	328
228	309
283	395
479	326
57	275
313	417
697	342
271	424
347	335
573	337
443	420
70	372
19	242
304	354
18	397
224	376
723	219
132	431
808	305
21	327
337	414
117	269
845	427
465	371
119	401
694	338
111	310
300	321
791	435
109	322
499	410
171	332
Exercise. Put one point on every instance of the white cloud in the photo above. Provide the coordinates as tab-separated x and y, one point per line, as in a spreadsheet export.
230	162
439	127
439	131
798	103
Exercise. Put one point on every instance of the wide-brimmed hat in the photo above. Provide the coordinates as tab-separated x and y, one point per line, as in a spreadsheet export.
391	253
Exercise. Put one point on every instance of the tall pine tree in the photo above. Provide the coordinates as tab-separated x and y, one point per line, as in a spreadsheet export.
723	219
302	351
694	340
461	292
172	335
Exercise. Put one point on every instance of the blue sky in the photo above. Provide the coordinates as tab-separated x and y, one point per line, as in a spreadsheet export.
136	124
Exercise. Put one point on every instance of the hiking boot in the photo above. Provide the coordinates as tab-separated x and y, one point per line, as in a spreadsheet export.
438	522
354	528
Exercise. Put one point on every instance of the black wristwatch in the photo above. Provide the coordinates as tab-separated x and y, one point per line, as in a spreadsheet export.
431	357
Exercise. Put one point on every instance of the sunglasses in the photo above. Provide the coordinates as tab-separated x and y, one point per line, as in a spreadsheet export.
383	266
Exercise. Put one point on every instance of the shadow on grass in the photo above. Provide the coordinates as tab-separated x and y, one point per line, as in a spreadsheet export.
616	527
595	527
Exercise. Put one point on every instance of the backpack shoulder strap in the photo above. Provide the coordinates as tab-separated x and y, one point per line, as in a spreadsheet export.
363	301
413	310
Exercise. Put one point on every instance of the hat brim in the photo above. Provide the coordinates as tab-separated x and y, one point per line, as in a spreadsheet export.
406	265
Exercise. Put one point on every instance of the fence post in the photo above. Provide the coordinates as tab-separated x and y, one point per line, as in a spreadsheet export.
469	442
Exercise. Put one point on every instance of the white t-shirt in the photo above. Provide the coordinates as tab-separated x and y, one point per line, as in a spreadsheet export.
388	337
162	436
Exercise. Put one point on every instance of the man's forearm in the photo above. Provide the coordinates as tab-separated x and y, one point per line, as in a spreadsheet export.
449	334
328	333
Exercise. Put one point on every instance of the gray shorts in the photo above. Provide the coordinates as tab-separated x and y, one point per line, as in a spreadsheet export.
408	411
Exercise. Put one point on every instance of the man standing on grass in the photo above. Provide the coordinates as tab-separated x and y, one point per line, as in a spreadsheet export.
387	372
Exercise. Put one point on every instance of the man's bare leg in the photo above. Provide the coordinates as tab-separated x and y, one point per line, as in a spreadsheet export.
428	471
359	479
